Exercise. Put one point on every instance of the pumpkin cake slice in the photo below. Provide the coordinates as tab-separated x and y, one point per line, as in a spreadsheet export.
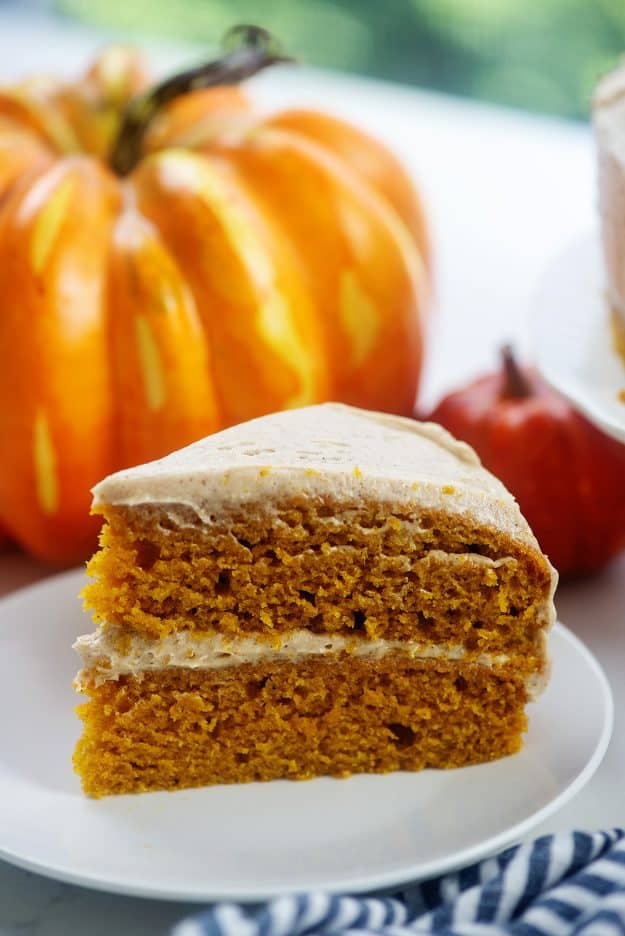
321	591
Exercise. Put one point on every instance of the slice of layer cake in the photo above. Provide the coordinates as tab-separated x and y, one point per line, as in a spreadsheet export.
321	591
609	126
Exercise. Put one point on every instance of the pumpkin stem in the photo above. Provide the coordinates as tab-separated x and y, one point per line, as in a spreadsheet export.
516	384
248	49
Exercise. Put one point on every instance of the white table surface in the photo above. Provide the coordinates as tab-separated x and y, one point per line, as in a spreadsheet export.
505	191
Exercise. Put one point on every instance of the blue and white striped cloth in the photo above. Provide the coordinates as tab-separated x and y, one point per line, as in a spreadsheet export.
555	886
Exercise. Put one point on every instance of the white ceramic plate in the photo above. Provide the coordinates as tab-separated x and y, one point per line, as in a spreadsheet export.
572	336
258	840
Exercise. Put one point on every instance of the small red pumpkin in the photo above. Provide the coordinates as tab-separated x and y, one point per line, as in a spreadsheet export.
568	477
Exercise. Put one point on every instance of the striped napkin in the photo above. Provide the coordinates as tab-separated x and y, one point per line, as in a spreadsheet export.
554	886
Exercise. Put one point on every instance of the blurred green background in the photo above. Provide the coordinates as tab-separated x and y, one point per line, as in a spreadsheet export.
542	55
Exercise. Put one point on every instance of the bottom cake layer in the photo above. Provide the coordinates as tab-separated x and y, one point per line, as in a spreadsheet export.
336	716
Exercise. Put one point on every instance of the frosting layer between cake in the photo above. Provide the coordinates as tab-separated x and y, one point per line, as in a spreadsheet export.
109	653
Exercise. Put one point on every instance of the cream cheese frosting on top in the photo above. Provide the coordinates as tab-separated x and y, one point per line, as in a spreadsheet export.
329	449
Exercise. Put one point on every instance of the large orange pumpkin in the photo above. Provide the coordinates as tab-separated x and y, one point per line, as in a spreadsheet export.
171	263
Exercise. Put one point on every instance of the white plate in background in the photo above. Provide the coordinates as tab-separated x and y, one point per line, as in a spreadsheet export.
572	336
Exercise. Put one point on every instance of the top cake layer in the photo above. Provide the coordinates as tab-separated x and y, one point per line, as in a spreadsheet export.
330	449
